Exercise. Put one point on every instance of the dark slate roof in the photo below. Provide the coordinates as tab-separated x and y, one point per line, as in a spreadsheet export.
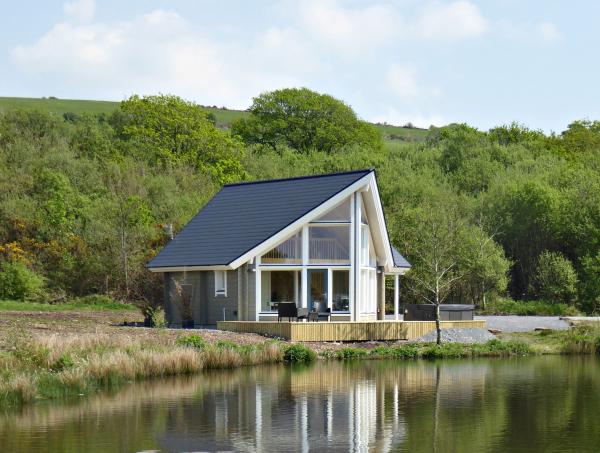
242	216
399	260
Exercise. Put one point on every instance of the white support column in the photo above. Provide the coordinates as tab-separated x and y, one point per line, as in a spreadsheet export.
329	288
352	295
357	255
296	282
304	277
257	289
396	296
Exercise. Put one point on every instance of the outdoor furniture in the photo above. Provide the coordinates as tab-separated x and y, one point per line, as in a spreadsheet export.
324	315
287	310
302	314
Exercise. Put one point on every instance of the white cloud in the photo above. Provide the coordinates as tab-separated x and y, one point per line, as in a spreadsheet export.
401	80
161	52
548	32
451	21
349	30
80	10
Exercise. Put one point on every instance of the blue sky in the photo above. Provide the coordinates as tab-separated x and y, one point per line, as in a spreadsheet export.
428	62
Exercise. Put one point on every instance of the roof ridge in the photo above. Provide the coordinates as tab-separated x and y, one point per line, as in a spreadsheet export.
295	178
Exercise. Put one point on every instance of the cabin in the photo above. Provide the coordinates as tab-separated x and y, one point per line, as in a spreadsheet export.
276	256
319	242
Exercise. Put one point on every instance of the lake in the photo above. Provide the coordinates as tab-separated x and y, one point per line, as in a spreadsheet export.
540	404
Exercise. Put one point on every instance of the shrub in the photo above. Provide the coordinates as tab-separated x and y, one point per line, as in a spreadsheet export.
528	308
501	348
192	341
351	353
227	344
554	278
18	282
298	353
405	351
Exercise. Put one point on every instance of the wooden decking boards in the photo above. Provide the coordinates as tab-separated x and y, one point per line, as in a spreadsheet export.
343	331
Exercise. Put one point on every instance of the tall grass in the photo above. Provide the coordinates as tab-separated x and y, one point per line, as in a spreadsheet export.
55	366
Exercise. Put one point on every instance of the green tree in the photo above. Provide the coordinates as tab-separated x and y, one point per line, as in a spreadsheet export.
590	284
18	282
166	129
304	120
432	250
554	278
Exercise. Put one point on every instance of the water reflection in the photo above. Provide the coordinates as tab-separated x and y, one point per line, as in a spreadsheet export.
540	404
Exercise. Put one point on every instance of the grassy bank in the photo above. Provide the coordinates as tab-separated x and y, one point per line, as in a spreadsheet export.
54	366
83	304
58	366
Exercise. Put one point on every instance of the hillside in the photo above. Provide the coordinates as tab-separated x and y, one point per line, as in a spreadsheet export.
224	116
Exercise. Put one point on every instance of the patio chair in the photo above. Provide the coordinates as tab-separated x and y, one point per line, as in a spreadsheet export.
287	310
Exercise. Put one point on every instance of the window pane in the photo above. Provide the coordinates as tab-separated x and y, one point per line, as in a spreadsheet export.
288	252
220	281
363	213
367	251
341	291
278	286
329	244
341	213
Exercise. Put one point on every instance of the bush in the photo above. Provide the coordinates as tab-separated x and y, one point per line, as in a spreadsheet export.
405	351
502	348
18	282
351	353
528	308
192	341
554	278
298	353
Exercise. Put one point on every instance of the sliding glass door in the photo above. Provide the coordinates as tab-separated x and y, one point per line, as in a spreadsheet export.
317	287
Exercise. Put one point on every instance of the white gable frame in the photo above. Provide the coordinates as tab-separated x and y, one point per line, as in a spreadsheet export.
368	185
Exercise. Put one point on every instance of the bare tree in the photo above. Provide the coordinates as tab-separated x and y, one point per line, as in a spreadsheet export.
433	248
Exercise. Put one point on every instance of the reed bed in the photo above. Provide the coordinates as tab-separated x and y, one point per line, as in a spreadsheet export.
51	366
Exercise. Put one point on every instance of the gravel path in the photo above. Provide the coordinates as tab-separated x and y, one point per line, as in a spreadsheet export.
459	336
515	323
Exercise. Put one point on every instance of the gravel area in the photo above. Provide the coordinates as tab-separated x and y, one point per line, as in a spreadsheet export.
459	336
515	323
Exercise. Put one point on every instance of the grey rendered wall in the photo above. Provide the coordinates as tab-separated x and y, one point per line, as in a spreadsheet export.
207	308
215	304
173	310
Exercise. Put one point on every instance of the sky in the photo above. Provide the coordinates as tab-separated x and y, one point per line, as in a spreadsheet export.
485	63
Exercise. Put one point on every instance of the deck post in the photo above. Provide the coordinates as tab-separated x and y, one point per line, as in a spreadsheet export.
304	272
257	289
356	263
396	296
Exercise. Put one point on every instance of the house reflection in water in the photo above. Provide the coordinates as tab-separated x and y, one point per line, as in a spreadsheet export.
346	407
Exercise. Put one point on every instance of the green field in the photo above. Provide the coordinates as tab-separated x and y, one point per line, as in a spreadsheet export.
224	116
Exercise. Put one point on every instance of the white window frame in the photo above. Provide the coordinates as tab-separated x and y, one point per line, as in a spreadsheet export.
221	292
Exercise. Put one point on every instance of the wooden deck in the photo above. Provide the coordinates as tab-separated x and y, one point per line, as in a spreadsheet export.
343	331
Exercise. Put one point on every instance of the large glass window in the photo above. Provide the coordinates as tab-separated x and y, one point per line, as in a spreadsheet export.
288	252
340	300
341	213
368	291
278	287
367	251
329	244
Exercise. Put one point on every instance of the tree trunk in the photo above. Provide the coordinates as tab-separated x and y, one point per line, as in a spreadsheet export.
438	327
483	296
